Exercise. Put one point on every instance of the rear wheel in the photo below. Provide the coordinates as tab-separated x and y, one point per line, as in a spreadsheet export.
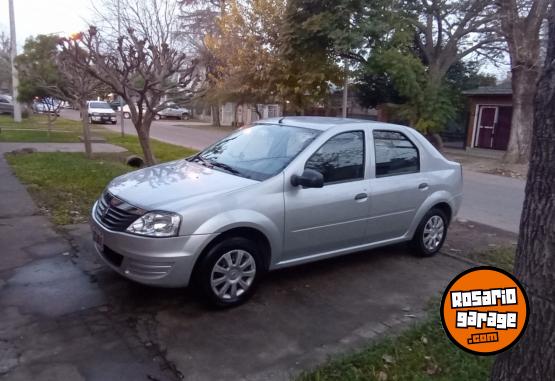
229	273
157	117
126	115
431	232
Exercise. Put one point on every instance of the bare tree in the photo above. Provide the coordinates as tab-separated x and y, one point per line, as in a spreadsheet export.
521	22
533	357
79	85
144	66
449	30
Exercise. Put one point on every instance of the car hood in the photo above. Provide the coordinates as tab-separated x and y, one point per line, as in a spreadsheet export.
171	186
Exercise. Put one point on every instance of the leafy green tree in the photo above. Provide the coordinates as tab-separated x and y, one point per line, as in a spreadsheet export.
39	76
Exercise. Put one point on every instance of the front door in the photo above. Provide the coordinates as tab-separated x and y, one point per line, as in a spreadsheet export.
324	219
502	129
486	125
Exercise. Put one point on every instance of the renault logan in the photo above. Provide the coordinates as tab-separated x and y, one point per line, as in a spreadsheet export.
280	193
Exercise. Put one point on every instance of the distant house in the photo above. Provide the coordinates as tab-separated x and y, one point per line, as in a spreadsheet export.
490	113
246	114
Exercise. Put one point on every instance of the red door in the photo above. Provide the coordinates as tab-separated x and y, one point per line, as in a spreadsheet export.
502	129
486	124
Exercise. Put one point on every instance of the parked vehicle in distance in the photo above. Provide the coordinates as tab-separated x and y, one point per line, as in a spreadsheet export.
6	104
47	106
280	193
173	111
100	112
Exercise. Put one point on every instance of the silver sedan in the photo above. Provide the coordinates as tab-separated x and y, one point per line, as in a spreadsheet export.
280	193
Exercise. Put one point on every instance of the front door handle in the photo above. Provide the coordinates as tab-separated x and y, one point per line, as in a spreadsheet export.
361	196
423	186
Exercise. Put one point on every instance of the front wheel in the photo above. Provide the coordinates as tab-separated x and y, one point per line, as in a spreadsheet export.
431	232
126	115
229	273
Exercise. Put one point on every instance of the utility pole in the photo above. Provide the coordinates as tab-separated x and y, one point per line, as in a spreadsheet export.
345	89
121	118
13	54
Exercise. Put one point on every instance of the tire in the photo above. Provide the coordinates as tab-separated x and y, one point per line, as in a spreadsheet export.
184	117
126	115
157	117
226	289
90	120
431	233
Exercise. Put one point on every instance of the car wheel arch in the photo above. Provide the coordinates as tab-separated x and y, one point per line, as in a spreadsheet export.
250	233
441	200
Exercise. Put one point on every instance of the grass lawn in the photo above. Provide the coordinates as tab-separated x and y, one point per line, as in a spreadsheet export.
35	129
66	184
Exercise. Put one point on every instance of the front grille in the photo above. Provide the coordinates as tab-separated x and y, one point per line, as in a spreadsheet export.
116	214
105	114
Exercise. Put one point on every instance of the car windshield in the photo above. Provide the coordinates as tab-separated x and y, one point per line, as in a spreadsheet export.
257	152
99	105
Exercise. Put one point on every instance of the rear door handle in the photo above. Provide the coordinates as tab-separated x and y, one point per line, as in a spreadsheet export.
423	186
361	196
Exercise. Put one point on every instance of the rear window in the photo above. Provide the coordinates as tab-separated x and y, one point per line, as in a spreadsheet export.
395	154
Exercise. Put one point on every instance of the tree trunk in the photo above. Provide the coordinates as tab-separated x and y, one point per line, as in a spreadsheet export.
86	131
524	87
215	109
533	358
143	133
49	124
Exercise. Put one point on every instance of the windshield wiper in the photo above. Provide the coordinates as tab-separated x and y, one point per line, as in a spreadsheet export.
225	167
202	160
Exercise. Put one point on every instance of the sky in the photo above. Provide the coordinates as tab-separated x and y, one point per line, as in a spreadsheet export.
45	16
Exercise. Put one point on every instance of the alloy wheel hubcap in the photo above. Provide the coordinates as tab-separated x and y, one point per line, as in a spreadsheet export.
433	233
233	274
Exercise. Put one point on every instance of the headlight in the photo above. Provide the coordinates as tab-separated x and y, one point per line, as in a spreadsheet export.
156	224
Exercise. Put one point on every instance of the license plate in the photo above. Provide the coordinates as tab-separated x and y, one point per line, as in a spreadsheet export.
98	237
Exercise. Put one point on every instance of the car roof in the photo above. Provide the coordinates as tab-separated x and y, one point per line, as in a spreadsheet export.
321	123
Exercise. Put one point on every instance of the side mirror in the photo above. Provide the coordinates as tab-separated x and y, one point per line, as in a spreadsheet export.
309	179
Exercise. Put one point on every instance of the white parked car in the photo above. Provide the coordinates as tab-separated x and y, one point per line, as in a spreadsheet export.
281	193
172	111
100	112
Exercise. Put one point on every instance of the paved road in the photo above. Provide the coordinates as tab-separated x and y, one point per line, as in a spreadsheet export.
492	200
488	199
191	134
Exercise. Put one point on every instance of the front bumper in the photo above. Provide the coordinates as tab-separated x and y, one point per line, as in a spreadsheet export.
103	118
165	262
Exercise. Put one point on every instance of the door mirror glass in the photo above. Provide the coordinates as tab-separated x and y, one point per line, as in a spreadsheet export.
309	179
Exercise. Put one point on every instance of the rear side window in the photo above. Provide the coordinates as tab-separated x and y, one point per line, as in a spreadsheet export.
341	158
395	154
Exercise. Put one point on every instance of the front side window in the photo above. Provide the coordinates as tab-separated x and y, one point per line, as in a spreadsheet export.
258	152
341	158
395	154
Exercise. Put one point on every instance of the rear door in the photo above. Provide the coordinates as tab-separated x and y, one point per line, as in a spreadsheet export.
398	187
333	217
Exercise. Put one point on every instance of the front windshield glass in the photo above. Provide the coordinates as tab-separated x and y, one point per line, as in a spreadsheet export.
257	152
99	105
